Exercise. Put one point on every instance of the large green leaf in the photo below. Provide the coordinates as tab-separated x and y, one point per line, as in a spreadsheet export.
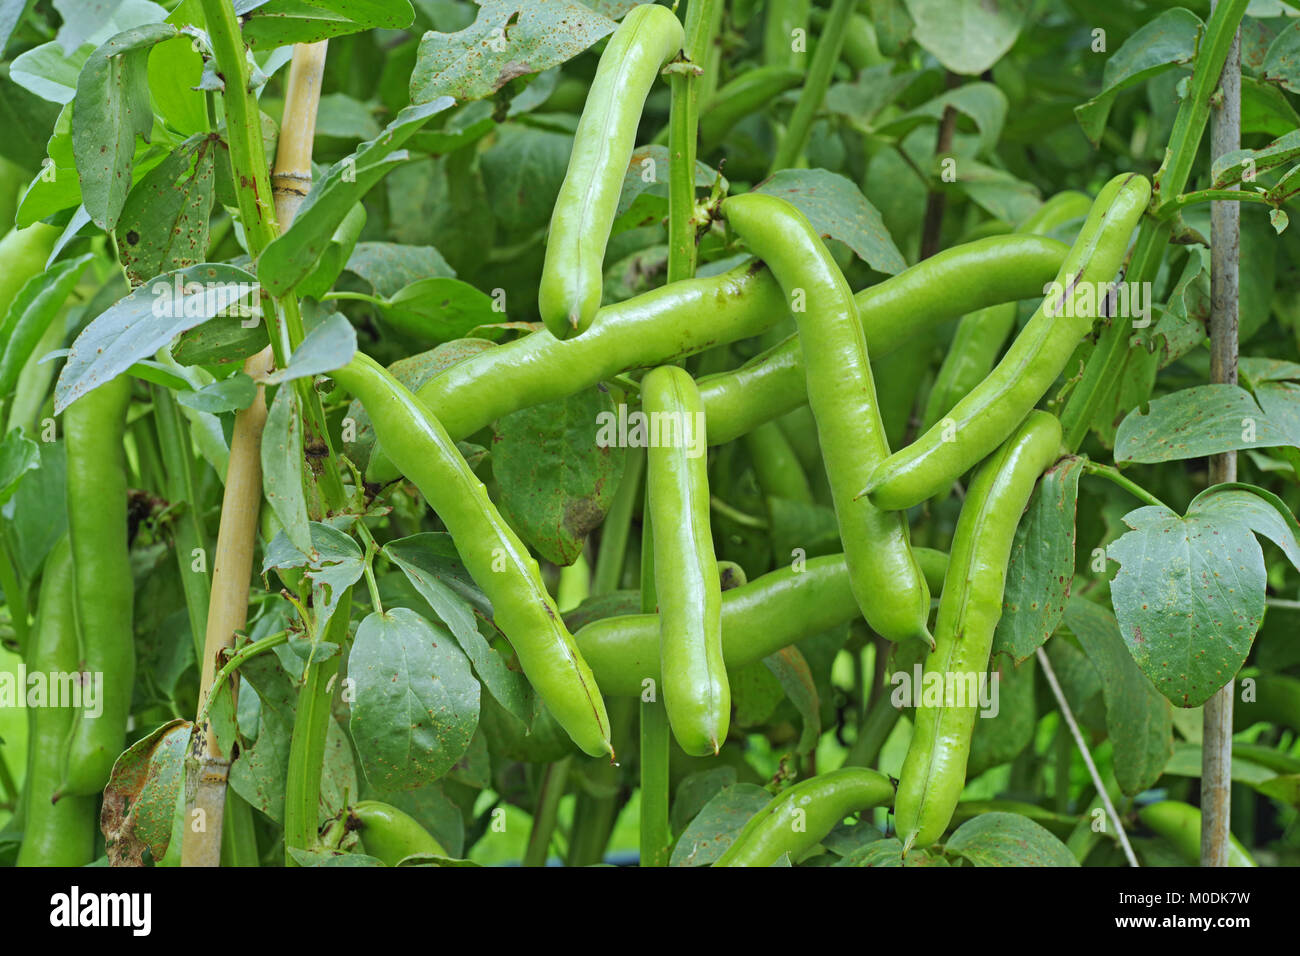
1138	719
509	39
416	703
1042	564
164	223
112	107
715	827
1189	596
139	325
283	22
967	36
1007	839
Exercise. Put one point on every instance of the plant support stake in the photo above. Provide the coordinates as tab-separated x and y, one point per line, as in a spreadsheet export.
1225	233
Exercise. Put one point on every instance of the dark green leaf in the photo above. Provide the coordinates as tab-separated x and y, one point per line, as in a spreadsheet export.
1008	839
716	826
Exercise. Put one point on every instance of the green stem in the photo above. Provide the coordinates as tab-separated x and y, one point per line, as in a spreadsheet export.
187	533
15	595
1168	209
735	514
683	128
1112	474
238	834
548	805
1282	604
237	659
307	745
873	732
614	531
656	831
374	300
8	786
829	44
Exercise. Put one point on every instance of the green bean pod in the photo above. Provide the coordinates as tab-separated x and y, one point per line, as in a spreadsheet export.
62	833
948	284
886	579
980	335
93	430
934	770
746	94
687	317
696	694
1180	824
798	819
496	559
570	289
990	412
759	618
390	834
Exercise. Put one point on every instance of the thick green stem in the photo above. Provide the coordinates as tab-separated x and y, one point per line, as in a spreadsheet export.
307	745
1128	484
873	732
548	805
683	127
187	535
614	530
656	831
829	44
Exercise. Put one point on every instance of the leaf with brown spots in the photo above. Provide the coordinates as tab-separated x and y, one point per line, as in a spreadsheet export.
1189	596
1007	839
509	39
140	799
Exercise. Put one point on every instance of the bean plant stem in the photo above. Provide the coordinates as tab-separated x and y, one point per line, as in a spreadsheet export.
548	804
1068	715
683	126
829	44
1132	487
1225	230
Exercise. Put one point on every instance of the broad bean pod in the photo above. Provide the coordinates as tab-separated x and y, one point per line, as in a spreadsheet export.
496	559
798	819
889	585
572	272
934	770
758	618
993	409
696	693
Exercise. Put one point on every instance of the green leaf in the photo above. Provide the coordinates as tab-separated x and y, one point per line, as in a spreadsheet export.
1205	420
27	120
889	853
555	480
335	257
715	827
36	516
1231	167
18	455
647	173
1138	719
334	564
164	223
416	704
112	107
522	171
1007	839
1282	62
48	72
1042	563
790	668
290	258
139	325
838	210
696	790
1189	596
436	310
227	395
507	40
1001	737
37	304
283	22
140	800
1257	508
389	266
1167	41
282	468
433	567
984	103
175	68
967	36
218	343
326	347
